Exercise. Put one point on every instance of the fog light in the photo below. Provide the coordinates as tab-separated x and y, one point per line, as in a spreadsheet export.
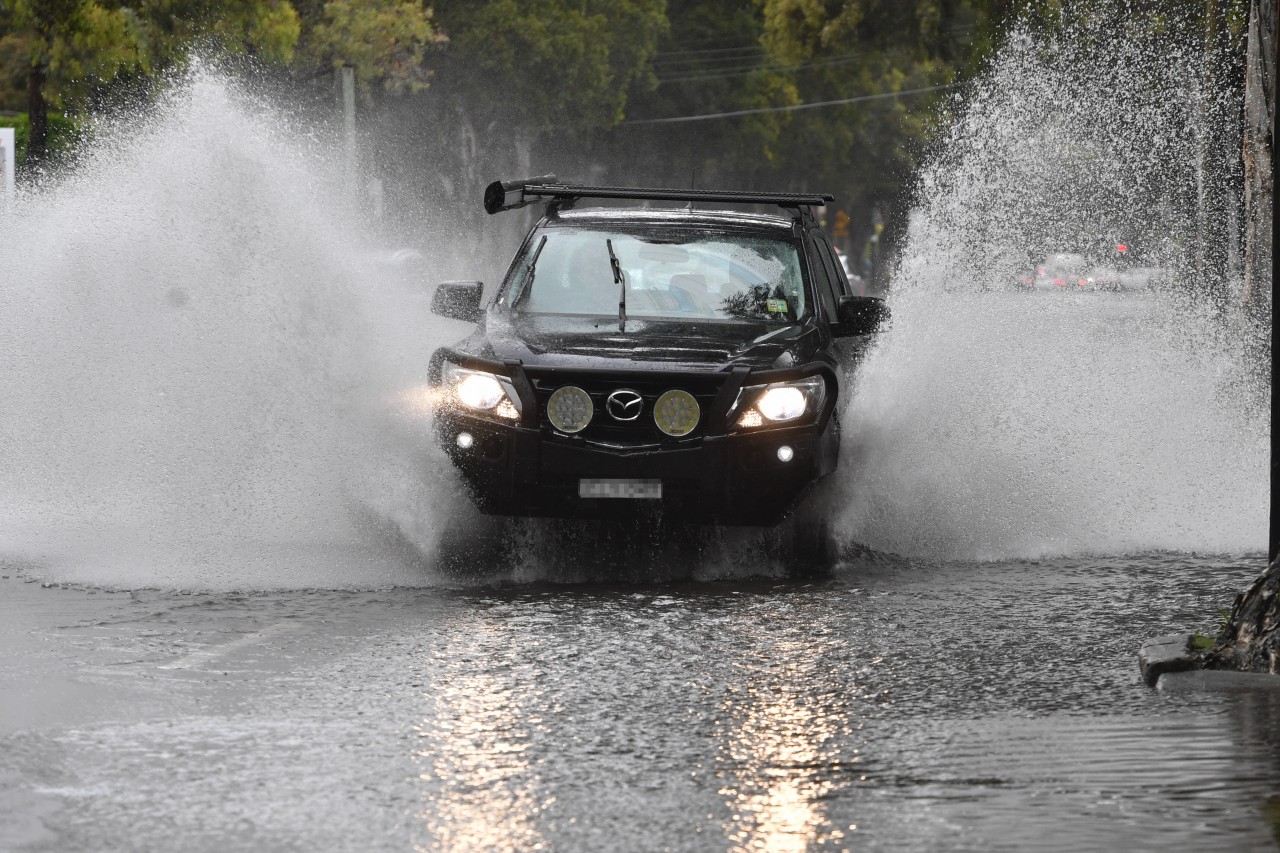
570	409
676	413
785	453
465	440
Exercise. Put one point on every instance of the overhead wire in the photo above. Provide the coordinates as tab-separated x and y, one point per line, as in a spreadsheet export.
740	71
792	108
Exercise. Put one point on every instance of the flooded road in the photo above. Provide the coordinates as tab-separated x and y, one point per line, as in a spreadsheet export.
206	339
897	706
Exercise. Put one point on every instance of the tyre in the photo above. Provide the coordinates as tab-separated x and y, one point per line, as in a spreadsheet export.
808	547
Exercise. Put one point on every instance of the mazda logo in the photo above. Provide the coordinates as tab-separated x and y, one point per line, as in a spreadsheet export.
624	404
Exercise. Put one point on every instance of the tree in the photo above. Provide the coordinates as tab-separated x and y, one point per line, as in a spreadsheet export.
385	41
550	65
67	42
761	57
710	60
513	75
1259	143
55	34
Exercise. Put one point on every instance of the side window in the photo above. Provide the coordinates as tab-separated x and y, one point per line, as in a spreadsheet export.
830	278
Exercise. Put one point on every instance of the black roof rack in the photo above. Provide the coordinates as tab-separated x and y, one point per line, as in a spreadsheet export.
509	195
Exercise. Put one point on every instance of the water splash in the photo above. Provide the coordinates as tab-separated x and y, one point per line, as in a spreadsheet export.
195	320
998	424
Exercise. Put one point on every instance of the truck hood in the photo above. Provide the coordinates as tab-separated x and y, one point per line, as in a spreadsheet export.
553	340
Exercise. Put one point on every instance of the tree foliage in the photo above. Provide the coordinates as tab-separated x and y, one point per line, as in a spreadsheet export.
584	87
551	64
385	41
62	49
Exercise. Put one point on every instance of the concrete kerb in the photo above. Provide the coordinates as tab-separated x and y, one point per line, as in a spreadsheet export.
1217	681
1170	653
1171	663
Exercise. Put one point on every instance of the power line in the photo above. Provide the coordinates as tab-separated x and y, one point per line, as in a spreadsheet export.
707	50
725	56
742	70
792	108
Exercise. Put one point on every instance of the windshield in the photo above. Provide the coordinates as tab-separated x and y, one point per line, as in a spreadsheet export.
676	275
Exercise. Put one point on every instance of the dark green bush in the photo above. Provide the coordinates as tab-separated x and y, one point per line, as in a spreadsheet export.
64	133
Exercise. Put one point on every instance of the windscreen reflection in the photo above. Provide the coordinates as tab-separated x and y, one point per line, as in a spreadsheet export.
695	276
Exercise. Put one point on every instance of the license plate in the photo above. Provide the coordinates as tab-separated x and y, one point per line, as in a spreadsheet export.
651	489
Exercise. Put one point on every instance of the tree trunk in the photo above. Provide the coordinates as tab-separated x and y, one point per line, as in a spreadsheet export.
1218	160
38	114
1251	639
1259	123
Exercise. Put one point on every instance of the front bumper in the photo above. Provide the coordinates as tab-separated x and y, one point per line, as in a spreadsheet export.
722	479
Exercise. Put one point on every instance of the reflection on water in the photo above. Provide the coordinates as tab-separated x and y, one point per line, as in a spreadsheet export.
482	787
974	707
777	745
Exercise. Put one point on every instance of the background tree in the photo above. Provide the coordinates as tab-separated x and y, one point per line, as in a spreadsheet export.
62	39
66	46
385	41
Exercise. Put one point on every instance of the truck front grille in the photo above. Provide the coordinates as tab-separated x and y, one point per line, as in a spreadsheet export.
607	431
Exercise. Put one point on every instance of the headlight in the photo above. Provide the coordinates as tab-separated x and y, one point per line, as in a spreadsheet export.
785	403
779	402
481	391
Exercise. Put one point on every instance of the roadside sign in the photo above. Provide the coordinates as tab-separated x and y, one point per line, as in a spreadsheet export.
8	188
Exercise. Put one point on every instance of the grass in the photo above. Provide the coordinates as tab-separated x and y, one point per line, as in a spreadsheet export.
1199	642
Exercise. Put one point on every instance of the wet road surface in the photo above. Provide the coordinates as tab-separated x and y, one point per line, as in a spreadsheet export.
897	706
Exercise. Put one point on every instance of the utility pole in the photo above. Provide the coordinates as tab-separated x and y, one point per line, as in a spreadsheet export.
345	85
1264	50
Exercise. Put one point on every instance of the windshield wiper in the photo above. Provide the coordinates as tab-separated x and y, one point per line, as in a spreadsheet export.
620	279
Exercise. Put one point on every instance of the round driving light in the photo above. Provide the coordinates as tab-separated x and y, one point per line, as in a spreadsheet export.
465	440
785	453
676	413
570	409
782	404
479	391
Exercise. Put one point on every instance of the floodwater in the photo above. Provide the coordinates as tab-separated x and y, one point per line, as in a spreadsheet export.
213	357
900	705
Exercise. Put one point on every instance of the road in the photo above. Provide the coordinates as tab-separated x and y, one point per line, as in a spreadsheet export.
897	706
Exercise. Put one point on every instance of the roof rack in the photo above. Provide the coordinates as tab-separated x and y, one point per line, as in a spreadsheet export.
510	195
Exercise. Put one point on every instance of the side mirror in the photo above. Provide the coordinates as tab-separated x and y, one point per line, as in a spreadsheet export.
458	300
860	315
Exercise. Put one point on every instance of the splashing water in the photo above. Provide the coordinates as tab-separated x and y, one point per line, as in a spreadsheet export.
196	322
995	424
192	323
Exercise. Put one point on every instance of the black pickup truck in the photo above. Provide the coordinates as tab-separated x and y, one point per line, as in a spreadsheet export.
688	363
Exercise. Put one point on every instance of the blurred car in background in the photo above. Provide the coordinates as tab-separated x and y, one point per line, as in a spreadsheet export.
1061	271
1073	271
857	285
